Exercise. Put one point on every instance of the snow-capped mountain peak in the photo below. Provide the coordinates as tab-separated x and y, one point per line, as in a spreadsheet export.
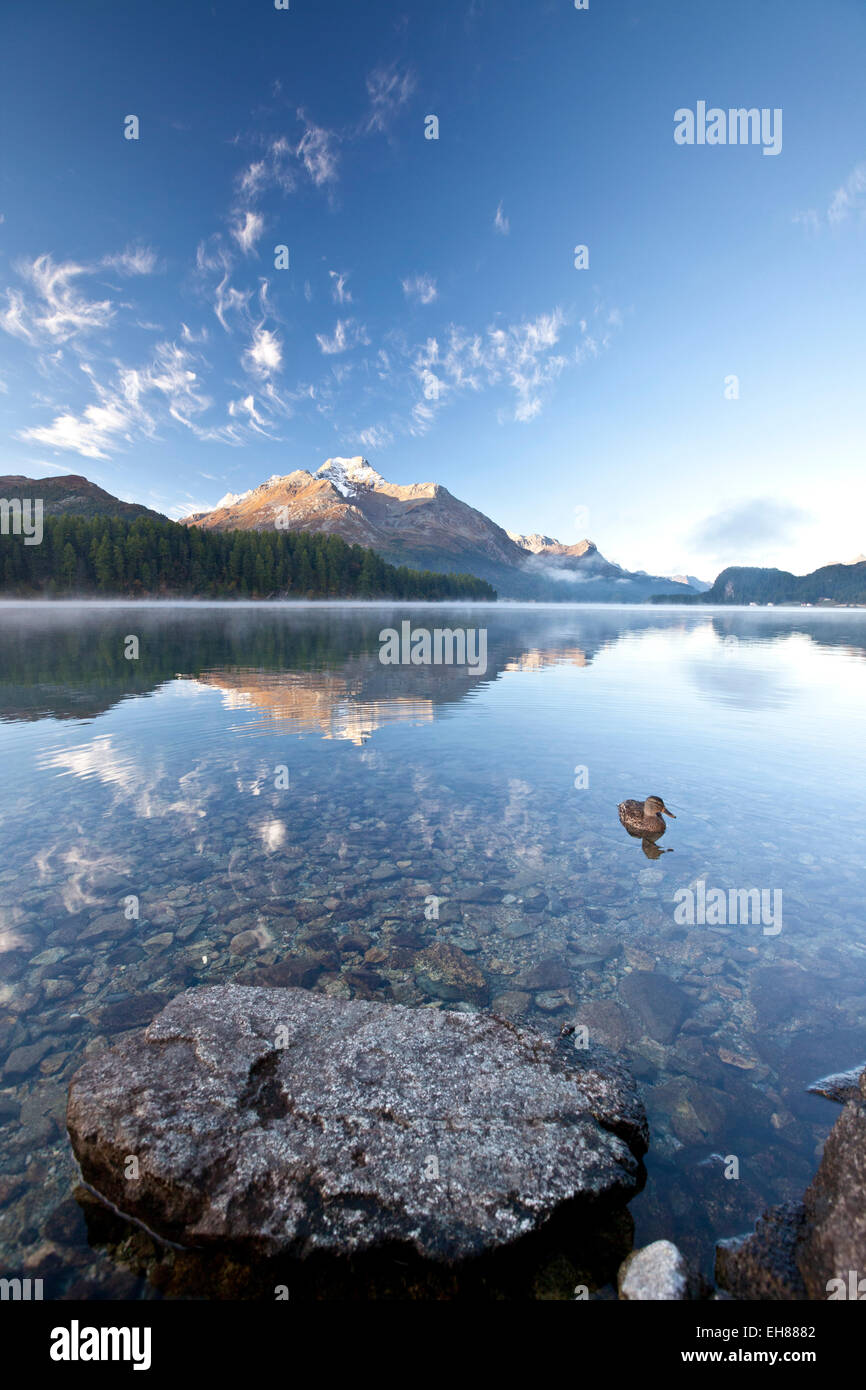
348	475
231	499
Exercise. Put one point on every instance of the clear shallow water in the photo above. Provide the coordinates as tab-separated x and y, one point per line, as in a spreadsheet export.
157	778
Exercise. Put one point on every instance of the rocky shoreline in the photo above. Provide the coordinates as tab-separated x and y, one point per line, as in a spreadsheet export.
816	1248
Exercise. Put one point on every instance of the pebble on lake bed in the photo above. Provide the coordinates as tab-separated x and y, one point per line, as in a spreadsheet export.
657	1272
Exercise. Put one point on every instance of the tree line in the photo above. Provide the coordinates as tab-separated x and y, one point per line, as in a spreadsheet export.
147	558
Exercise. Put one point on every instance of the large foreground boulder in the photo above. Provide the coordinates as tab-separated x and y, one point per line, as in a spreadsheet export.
279	1121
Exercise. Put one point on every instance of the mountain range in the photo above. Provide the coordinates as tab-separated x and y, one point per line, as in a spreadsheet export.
424	526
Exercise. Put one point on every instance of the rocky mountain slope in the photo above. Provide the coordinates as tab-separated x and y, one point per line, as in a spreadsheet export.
72	495
423	525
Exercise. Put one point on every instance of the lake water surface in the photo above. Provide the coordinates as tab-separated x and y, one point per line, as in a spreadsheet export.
285	807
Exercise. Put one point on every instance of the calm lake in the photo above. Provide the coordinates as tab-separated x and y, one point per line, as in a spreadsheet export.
278	800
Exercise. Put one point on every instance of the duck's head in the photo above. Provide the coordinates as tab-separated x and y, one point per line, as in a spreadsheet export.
655	806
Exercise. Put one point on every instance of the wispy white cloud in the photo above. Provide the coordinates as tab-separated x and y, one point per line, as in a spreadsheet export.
375	437
54	309
211	254
247	229
134	260
527	357
91	434
189	337
171	374
126	406
246	410
501	222
849	197
421	288
389	88
285	162
347	334
228	300
316	151
524	359
338	289
277	168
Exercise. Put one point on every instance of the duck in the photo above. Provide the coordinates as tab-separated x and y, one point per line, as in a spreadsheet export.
644	818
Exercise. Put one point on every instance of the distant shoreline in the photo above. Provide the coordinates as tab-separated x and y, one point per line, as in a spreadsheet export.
524	605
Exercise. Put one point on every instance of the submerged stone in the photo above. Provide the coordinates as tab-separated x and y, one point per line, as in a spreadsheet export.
447	973
279	1121
657	1273
660	1003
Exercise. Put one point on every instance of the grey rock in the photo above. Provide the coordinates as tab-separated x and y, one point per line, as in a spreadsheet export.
326	1143
9	1108
550	1001
50	957
841	1086
606	1022
511	1003
797	1249
550	973
697	1113
657	1272
23	1060
446	972
112	924
763	1265
131	1011
779	993
659	1003
481	893
514	930
834	1241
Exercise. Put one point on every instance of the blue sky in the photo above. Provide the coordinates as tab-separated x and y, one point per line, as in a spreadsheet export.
431	317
